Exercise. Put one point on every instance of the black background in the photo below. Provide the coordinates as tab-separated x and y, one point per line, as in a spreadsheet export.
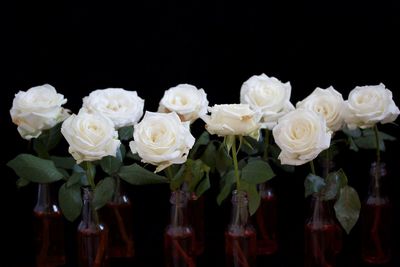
149	46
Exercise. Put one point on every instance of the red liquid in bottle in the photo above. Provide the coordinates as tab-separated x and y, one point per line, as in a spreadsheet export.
118	218
322	244
266	224
49	231
376	231
241	249
195	210
179	248
92	247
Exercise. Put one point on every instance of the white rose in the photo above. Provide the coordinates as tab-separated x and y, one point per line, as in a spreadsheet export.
186	100
233	119
90	136
162	139
37	109
301	135
327	102
368	105
269	96
123	107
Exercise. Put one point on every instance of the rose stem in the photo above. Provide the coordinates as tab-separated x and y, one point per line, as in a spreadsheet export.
45	244
266	145
241	257
122	231
312	167
187	259
374	231
235	163
261	223
100	250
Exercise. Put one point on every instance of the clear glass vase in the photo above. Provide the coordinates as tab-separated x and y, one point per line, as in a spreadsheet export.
323	235
376	219
117	215
240	236
48	229
179	239
266	221
92	235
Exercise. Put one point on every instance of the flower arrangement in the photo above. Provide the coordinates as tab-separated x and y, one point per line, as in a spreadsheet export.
111	119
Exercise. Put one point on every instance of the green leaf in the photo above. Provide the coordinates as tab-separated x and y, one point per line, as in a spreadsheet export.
347	208
22	182
125	133
386	137
121	152
137	175
250	146
178	178
313	184
352	133
203	186
223	161
253	196
197	173
256	172
228	180
334	182
110	164
135	156
64	173
35	169
48	140
209	156
75	178
352	144
103	192
70	200
228	142
202	140
369	142
63	162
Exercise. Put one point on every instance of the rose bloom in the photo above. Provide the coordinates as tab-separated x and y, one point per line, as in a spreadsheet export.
90	136
301	135
267	95
37	109
124	108
233	119
162	139
368	105
327	102
186	100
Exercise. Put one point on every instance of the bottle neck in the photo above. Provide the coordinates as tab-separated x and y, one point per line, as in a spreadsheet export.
89	213
45	201
378	175
119	196
240	212
321	212
178	202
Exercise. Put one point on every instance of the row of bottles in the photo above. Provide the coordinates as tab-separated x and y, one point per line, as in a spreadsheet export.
243	242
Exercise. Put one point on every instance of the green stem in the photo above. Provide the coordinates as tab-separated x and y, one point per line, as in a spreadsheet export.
266	144
378	149
235	163
168	173
312	167
90	174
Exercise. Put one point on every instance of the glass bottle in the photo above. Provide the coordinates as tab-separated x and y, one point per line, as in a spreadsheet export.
196	220
117	215
240	237
48	229
92	235
266	221
179	243
323	235
376	219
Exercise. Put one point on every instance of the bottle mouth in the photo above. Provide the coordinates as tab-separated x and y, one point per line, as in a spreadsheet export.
239	197
178	197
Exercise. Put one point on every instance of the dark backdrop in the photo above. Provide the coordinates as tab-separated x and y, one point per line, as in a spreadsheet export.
150	46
